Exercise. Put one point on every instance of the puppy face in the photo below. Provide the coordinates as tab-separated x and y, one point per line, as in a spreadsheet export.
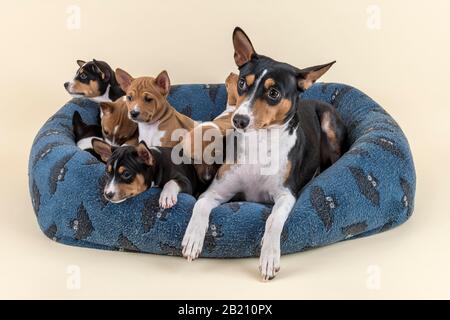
267	90
117	128
146	96
90	80
130	170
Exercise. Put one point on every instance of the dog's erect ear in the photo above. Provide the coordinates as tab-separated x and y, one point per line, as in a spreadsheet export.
306	77
163	81
243	48
107	107
80	63
124	79
145	154
102	148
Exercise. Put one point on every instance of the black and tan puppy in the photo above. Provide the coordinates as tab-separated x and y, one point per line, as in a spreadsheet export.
133	169
84	133
94	80
298	137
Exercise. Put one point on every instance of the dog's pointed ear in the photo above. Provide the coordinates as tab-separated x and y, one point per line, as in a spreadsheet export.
306	77
243	48
124	79
102	148
107	107
145	154
80	63
163	82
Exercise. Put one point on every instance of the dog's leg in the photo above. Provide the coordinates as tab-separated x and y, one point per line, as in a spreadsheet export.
269	262
220	191
169	194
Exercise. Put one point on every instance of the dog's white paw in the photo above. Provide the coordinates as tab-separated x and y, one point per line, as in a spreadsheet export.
269	261
193	239
169	195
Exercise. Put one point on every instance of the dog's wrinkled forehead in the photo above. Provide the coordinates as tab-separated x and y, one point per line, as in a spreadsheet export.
279	74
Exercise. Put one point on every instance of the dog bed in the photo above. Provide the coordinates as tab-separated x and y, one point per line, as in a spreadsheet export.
369	190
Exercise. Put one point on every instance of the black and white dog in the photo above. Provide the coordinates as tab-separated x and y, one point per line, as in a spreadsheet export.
302	137
94	80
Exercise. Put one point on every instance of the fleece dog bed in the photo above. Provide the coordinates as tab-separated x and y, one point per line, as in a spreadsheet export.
369	190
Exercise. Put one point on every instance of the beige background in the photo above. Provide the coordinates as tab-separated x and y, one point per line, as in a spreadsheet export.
403	65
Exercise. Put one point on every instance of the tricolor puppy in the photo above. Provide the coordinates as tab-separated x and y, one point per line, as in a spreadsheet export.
84	134
146	99
117	128
204	137
303	135
94	80
133	169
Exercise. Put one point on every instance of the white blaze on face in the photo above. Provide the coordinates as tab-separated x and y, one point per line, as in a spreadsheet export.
246	105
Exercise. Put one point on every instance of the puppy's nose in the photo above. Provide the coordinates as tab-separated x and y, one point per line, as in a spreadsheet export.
109	195
241	121
134	114
66	85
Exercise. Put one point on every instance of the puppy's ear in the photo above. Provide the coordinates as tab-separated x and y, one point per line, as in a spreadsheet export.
145	154
107	107
231	85
78	124
102	148
80	63
104	74
124	79
243	48
306	77
163	82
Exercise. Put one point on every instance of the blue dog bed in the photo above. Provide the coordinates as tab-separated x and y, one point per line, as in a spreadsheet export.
369	190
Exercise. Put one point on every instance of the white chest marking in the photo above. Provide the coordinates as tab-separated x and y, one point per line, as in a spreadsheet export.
150	134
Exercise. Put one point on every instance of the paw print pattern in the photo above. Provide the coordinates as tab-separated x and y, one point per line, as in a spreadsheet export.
323	206
387	145
212	91
407	196
359	152
354	229
338	95
151	212
82	225
367	185
35	198
125	245
51	232
58	172
388	225
59	117
53	132
234	206
170	250
45	151
212	234
91	161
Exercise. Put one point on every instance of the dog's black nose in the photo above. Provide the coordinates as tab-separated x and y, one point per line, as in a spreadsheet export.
109	195
241	121
134	114
66	85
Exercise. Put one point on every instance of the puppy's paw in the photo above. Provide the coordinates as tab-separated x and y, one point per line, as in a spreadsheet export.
167	200
269	261
193	239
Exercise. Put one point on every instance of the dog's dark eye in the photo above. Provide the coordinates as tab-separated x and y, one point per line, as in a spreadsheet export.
274	94
242	84
147	99
126	175
129	98
83	76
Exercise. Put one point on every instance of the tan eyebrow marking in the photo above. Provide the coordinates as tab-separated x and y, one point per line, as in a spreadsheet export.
250	79
109	168
269	83
121	169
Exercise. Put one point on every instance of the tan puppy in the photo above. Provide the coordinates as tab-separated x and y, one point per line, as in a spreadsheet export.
146	100
117	128
197	141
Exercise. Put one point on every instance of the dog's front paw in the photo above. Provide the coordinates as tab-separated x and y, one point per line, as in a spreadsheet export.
269	261
167	199
192	243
